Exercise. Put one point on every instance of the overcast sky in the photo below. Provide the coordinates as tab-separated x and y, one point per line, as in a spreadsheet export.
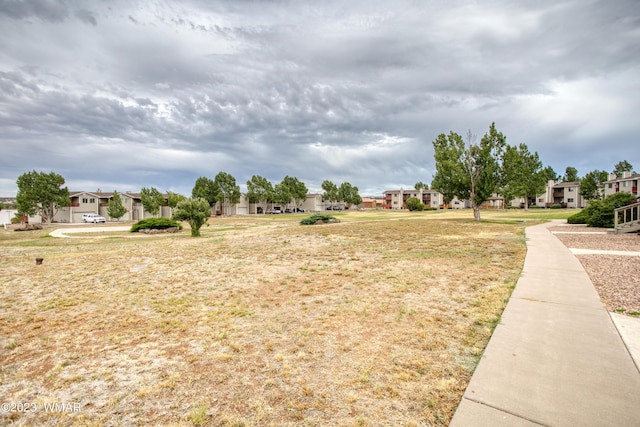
124	94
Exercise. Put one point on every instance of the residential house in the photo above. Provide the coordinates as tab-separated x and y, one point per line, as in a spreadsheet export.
628	182
243	207
315	203
397	199
83	202
494	202
566	194
371	203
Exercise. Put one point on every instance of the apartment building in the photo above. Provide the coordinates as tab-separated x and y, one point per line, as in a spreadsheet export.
397	199
565	194
628	182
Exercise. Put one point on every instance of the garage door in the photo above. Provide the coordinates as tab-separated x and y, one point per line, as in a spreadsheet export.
77	216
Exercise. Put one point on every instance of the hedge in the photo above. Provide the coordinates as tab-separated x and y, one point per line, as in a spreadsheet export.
155	223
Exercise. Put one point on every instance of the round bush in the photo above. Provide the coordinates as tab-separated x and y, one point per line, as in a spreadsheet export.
154	223
317	218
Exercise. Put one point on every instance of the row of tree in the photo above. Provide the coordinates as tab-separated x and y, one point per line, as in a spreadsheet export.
475	172
43	193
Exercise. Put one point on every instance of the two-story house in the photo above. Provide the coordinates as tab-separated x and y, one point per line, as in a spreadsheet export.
628	182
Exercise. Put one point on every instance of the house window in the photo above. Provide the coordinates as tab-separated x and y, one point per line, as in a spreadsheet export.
570	200
570	189
610	185
85	200
626	184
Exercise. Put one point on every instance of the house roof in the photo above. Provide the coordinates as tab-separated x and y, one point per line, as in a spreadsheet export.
410	190
619	179
79	193
567	184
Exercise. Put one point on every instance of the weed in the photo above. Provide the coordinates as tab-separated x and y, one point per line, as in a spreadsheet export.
198	415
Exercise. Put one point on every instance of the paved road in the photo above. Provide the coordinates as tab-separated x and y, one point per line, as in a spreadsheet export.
63	232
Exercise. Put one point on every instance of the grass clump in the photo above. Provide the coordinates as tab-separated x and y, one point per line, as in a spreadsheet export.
319	218
155	224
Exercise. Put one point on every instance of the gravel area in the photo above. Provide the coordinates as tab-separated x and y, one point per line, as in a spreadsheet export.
616	278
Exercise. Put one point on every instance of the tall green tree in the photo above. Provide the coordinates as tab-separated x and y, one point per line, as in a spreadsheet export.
621	167
421	186
330	192
259	191
195	211
570	174
41	193
297	189
522	174
152	200
281	195
592	185
349	194
174	198
468	171
115	208
228	190
207	189
550	174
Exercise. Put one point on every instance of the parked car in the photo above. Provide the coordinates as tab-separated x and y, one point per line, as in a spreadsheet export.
299	210
275	210
95	218
288	210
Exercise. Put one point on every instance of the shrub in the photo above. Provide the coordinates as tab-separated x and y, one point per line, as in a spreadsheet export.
556	206
154	223
414	204
579	218
600	212
430	208
319	217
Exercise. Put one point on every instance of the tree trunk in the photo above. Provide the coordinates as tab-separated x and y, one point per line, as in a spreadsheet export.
476	212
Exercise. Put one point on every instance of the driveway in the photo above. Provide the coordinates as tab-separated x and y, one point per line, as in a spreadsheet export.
63	232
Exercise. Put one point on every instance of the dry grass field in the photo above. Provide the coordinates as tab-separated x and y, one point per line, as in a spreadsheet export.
377	320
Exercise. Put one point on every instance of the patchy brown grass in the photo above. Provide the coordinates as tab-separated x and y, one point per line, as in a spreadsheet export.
259	322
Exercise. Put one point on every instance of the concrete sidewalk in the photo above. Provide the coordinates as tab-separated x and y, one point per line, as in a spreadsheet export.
556	358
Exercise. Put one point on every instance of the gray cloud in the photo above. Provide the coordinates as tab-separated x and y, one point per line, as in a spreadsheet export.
155	94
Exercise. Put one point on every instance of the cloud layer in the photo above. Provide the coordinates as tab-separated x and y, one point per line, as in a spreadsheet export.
121	95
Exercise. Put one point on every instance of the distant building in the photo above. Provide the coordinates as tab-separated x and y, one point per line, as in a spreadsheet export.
628	183
397	199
